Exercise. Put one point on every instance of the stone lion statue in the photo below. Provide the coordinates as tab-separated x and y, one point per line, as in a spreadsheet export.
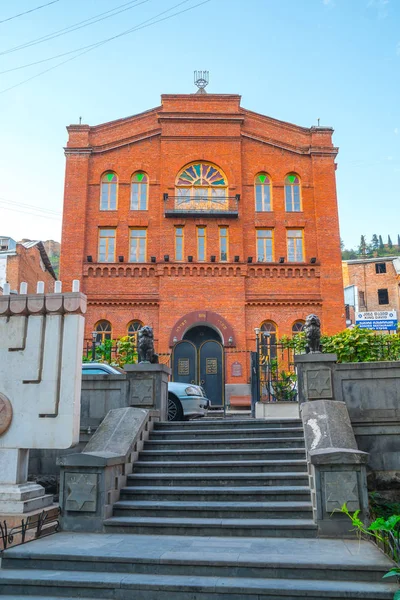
312	329
146	352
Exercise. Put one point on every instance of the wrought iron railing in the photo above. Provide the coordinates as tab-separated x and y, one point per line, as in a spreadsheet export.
187	206
29	529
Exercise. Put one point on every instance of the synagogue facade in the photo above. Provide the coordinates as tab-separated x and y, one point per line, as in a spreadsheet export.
206	221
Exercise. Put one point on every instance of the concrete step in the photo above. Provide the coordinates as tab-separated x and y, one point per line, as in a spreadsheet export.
56	584
217	493
215	434
207	456
228	423
201	480
217	466
238	527
278	558
225	443
215	510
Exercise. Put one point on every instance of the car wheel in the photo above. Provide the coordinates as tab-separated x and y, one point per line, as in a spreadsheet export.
175	411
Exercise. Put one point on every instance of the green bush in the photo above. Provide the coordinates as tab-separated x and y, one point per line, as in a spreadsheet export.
352	345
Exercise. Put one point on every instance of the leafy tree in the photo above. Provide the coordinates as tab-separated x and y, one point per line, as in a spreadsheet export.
363	248
390	245
398	242
381	246
374	242
349	254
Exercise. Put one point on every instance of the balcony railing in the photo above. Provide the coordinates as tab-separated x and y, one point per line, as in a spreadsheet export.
204	206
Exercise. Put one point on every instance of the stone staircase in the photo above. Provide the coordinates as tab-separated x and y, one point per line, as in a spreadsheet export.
214	510
228	478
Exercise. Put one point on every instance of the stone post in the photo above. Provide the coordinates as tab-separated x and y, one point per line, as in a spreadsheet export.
148	387
315	376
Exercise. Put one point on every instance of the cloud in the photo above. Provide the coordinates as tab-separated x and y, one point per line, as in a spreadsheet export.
381	6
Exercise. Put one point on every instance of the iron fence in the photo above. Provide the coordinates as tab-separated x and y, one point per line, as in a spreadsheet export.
29	529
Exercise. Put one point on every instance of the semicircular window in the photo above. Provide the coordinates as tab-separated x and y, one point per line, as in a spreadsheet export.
201	186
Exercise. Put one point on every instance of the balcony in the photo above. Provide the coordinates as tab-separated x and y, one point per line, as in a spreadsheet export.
201	206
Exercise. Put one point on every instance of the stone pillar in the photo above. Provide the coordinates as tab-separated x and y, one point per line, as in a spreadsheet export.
17	495
315	376
336	468
148	387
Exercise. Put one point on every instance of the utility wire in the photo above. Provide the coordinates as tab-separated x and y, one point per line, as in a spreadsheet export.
12	202
142	25
27	212
28	11
75	26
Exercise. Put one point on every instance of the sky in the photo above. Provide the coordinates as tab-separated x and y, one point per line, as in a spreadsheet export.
294	60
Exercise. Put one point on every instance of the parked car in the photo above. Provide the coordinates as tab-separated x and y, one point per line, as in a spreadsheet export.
185	401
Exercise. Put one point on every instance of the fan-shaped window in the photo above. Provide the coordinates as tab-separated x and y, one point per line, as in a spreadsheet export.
292	193
139	191
134	327
201	186
108	195
103	329
297	327
262	190
268	340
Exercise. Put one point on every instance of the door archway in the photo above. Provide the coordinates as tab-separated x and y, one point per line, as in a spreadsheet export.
199	358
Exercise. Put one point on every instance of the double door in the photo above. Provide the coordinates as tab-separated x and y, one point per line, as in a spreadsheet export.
203	366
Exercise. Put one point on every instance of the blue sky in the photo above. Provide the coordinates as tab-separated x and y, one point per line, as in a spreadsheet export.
295	60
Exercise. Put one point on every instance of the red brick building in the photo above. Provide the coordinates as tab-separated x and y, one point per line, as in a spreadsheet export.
26	261
206	221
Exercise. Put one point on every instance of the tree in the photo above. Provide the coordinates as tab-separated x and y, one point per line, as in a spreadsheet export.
390	245
381	246
398	241
374	242
363	248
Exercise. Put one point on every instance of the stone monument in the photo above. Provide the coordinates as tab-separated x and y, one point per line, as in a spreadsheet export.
41	338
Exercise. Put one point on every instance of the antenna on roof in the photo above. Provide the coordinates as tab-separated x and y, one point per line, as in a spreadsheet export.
80	120
201	79
318	121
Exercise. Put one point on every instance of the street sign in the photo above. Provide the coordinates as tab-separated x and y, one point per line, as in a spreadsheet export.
379	320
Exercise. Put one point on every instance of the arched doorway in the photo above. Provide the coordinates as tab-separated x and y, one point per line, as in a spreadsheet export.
199	358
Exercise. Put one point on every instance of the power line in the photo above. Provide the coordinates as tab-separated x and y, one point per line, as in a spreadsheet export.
87	49
29	11
75	26
12	202
27	212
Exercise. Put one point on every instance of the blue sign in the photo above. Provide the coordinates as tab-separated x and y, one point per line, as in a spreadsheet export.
378	325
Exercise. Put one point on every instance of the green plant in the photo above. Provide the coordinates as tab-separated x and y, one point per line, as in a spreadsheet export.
385	532
126	351
283	383
352	345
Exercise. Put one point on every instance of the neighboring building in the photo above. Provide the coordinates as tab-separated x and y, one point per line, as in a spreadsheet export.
25	261
371	284
204	220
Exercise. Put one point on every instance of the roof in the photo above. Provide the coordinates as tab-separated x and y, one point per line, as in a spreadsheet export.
43	255
380	259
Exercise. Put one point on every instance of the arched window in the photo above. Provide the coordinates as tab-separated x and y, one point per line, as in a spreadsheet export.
201	185
139	191
108	195
297	327
134	327
103	329
292	193
262	190
268	339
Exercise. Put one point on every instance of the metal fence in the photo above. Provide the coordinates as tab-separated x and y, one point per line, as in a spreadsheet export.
29	529
276	371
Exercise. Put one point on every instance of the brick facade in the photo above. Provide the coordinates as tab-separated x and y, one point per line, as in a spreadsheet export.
26	264
371	275
160	142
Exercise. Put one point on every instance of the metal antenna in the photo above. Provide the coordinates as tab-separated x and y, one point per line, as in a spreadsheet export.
201	79
318	121
80	120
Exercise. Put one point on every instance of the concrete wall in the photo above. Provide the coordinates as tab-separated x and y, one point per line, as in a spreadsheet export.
371	392
100	393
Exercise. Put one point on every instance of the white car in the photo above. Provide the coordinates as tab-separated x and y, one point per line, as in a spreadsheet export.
185	400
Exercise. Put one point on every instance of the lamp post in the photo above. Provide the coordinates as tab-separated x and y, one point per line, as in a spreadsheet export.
94	340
